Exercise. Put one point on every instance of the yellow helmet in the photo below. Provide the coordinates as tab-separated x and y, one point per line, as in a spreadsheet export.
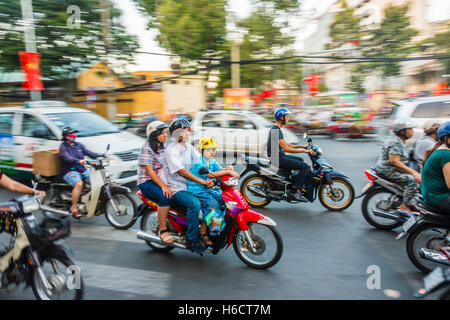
207	142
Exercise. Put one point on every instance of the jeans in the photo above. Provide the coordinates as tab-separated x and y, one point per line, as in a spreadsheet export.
193	206
209	199
295	163
154	192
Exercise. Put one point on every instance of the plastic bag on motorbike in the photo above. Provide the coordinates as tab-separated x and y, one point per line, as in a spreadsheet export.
8	223
215	222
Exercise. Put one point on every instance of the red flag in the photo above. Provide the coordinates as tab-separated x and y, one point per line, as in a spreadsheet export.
30	62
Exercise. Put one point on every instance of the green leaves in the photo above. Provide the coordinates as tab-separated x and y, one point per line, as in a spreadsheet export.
64	49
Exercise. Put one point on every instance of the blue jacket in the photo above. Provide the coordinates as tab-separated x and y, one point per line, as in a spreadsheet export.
195	187
71	155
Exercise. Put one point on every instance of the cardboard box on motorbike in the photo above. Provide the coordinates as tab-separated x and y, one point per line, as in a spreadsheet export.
46	163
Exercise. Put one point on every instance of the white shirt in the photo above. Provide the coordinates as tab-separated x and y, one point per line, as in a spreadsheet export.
422	146
177	156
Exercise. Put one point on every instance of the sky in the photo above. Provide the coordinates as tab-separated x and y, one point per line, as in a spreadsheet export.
136	23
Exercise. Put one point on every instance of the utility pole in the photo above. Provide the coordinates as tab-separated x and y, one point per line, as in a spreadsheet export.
235	67
106	28
30	39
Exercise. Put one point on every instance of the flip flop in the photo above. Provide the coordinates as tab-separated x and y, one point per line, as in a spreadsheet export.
76	214
166	239
205	239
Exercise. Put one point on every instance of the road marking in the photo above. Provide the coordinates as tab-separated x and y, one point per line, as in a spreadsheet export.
134	281
104	233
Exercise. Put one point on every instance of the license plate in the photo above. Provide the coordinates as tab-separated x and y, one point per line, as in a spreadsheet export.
434	279
409	223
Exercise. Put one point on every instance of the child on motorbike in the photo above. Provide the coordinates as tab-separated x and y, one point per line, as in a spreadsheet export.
209	198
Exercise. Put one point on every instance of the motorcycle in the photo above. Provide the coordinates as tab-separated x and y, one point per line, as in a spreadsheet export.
102	197
428	236
268	184
253	235
381	200
34	255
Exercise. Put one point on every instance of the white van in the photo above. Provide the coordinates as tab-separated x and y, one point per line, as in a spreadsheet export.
37	126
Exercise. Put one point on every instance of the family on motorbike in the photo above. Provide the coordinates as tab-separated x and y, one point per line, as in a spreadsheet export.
171	173
434	181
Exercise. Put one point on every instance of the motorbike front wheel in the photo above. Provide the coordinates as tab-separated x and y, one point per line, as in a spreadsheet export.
343	196
127	211
59	275
268	246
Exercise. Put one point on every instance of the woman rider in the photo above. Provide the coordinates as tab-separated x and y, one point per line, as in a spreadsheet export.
393	163
149	167
435	186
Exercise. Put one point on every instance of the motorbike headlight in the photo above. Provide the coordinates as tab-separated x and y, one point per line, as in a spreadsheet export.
320	150
231	182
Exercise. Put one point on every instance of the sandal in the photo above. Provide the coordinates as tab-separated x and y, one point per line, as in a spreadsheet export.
76	214
166	239
204	237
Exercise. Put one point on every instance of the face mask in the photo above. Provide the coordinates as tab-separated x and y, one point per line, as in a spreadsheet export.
71	137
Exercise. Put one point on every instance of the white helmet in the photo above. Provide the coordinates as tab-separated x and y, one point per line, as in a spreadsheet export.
155	126
403	123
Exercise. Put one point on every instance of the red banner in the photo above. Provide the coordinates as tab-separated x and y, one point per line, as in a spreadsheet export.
313	84
30	63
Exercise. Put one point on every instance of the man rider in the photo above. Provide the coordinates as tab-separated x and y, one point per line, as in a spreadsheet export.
277	148
73	171
177	162
427	142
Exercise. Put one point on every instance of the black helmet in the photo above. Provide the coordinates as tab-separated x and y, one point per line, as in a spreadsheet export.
178	124
68	130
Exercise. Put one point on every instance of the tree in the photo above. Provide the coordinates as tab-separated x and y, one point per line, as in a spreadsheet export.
63	49
439	44
345	27
391	39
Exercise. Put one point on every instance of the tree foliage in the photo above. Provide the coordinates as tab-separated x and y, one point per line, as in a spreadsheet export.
345	27
63	49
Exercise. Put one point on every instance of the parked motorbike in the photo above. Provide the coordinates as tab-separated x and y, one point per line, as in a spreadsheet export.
381	200
35	256
253	235
268	184
428	236
101	197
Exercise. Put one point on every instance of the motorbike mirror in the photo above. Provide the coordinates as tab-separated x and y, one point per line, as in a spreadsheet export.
305	135
203	170
309	140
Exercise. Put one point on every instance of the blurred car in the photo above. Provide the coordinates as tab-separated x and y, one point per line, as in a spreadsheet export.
37	126
420	110
236	130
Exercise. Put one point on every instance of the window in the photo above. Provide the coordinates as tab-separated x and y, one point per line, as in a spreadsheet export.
88	124
237	121
6	122
212	120
30	124
437	109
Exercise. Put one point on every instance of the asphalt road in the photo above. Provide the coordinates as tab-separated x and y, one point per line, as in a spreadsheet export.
327	255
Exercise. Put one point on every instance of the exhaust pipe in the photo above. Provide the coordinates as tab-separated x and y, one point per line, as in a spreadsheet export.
257	191
156	239
387	215
434	256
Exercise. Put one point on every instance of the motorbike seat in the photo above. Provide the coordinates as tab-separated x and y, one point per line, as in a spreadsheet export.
421	203
261	161
175	206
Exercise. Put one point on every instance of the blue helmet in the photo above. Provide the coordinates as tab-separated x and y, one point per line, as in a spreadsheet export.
280	112
444	130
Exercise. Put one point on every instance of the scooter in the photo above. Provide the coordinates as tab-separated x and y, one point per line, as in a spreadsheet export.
253	235
35	256
103	196
268	183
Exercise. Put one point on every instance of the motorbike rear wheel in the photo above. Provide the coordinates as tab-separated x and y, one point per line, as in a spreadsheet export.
55	270
370	202
149	223
429	236
266	254
341	186
255	180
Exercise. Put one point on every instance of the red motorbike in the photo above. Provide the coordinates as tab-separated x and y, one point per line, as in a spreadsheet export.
253	235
